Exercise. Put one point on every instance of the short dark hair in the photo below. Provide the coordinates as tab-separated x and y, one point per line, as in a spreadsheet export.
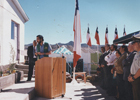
118	52
41	37
103	48
114	46
125	48
108	45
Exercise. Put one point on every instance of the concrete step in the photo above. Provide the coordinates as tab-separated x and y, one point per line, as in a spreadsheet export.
24	70
22	91
22	66
26	75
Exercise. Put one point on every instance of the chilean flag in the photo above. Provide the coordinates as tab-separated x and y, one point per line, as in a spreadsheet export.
106	36
97	36
88	38
77	36
116	34
124	33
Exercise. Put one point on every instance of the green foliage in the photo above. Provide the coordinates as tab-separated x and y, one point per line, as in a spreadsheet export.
12	59
1	73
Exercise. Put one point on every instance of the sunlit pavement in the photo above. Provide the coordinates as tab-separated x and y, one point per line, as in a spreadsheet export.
80	91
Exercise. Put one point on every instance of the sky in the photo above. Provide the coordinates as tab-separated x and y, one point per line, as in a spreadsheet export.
54	19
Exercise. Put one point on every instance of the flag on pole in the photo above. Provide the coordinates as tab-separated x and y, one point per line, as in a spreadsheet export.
97	36
88	38
124	33
106	36
77	36
116	34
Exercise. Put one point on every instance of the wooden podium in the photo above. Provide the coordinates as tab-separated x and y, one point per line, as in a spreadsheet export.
50	77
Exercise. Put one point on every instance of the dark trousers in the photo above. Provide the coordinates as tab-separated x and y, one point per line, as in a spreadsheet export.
105	75
110	79
128	90
121	88
136	89
31	66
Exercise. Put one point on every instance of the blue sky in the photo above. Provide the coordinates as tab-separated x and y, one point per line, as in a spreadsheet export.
54	18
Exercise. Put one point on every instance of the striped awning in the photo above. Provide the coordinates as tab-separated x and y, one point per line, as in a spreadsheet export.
63	50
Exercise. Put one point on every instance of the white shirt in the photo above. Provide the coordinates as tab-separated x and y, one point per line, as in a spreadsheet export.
135	64
110	58
34	51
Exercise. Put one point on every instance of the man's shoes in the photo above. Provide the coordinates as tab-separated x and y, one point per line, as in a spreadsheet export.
28	80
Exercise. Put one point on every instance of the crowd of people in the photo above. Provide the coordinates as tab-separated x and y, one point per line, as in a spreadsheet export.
119	70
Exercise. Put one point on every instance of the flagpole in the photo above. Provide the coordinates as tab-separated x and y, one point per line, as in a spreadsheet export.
97	53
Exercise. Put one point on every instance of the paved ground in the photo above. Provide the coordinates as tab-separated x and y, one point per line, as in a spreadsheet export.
73	92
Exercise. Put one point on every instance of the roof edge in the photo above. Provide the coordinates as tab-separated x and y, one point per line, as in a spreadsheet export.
17	4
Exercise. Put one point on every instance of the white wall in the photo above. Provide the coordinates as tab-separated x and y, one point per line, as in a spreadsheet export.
9	12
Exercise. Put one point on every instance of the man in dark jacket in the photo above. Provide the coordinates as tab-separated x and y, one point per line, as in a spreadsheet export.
32	58
100	69
104	66
126	69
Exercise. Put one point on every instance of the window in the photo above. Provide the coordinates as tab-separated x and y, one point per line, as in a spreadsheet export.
12	29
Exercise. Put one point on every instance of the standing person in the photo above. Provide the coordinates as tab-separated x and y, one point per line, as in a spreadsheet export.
104	66
126	69
100	69
135	71
119	70
110	58
32	58
43	49
117	63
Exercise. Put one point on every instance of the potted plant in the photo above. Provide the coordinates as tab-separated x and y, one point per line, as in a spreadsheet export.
1	73
12	60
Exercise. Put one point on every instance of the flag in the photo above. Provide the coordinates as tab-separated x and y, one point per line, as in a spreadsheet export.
116	34
106	36
77	36
97	36
124	33
88	38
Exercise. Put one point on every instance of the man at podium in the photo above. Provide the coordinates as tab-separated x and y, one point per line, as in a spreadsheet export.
43	49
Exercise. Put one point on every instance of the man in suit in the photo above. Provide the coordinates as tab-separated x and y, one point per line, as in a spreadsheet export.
126	71
104	66
32	58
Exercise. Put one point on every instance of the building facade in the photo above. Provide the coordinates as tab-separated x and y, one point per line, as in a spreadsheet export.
12	20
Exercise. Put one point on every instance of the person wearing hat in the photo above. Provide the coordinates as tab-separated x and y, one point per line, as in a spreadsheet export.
43	49
134	77
126	71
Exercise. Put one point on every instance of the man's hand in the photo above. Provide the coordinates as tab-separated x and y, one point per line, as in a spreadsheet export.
112	71
130	79
36	53
39	53
102	66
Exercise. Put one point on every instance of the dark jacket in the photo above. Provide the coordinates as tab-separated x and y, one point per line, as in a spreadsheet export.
127	65
30	52
103	61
